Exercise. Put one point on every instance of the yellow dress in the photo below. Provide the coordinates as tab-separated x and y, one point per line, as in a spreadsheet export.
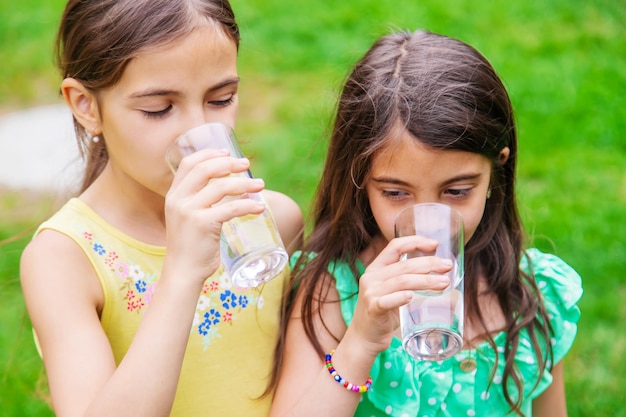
231	343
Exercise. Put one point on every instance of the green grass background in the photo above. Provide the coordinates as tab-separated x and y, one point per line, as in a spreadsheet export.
563	61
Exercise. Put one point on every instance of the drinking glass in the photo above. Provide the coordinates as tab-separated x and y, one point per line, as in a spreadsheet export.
251	249
432	323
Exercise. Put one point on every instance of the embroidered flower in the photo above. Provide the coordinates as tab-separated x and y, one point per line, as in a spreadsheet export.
110	259
243	301
88	236
213	316
121	269
204	327
225	281
214	286
135	304
136	272
99	249
141	286
229	299
228	317
204	302
148	295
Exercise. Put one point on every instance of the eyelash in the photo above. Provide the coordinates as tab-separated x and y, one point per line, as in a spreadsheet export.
394	194
162	113
157	114
456	193
224	103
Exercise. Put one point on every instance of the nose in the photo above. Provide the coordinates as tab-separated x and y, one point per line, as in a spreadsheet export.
196	117
203	116
430	198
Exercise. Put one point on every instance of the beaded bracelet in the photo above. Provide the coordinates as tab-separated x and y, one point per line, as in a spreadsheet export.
350	387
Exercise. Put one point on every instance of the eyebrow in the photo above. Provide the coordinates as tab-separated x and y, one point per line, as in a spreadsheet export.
396	181
160	92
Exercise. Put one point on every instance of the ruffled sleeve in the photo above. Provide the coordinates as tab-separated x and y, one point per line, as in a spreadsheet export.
347	287
561	288
345	282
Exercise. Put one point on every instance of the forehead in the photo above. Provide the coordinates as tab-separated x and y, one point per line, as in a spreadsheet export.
206	52
406	156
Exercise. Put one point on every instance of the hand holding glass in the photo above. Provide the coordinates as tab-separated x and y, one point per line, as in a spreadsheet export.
251	249
432	323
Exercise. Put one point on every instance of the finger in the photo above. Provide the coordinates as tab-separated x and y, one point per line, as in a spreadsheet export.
222	190
236	208
394	300
425	265
414	282
399	246
197	176
422	265
184	164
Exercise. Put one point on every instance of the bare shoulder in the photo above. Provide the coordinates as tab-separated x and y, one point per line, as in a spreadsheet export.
63	298
288	216
54	267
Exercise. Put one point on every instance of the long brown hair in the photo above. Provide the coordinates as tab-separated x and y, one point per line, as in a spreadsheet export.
98	38
445	93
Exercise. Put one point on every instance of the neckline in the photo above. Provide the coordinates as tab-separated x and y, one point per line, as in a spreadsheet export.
114	231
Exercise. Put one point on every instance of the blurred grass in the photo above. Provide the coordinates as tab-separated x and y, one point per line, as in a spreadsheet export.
563	61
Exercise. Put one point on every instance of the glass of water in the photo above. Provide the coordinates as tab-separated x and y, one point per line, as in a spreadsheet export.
251	249
432	323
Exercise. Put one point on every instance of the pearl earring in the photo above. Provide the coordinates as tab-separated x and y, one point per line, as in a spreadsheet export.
488	193
94	137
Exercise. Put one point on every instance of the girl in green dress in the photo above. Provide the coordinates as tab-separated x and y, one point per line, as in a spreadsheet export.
423	118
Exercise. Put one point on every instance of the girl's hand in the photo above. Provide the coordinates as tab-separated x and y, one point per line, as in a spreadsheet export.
193	216
389	283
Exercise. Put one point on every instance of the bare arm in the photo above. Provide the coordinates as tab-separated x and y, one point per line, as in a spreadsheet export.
551	403
288	218
64	298
305	387
304	379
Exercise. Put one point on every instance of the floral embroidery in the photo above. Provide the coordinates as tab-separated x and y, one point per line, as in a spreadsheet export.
224	303
111	258
99	249
229	300
121	269
228	317
218	304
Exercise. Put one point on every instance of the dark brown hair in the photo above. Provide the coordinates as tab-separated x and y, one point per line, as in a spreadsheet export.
447	96
98	38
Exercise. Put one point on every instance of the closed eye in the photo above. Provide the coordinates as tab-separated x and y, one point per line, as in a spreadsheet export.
223	103
157	114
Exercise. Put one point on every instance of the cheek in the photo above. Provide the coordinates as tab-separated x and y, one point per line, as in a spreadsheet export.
384	218
471	221
386	226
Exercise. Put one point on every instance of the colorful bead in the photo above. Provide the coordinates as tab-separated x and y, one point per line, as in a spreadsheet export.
347	385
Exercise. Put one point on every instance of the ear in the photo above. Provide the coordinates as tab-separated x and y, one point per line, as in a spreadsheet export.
504	155
82	103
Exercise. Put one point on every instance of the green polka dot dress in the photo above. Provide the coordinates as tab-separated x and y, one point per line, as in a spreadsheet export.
460	386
